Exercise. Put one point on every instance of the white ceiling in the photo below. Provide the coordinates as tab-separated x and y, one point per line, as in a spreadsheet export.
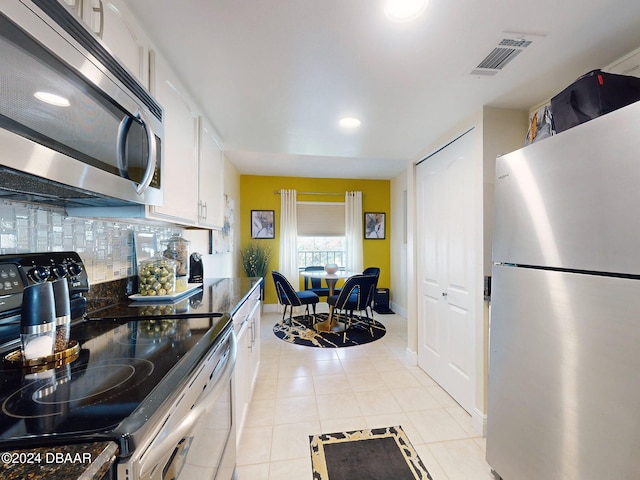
275	76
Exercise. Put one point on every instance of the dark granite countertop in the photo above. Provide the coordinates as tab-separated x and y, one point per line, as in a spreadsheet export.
217	295
89	461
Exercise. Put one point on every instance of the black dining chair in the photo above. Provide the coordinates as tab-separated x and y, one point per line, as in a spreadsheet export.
356	294
289	297
315	284
375	271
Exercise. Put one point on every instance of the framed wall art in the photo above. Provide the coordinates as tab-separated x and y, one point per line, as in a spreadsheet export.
262	224
374	225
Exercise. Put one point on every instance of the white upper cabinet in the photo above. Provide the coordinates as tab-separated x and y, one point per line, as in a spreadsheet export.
627	65
117	27
180	171
211	179
112	22
193	168
74	6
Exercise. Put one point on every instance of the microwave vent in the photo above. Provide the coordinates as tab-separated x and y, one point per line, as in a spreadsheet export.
20	187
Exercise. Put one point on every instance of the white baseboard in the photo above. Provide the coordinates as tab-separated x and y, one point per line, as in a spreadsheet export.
398	309
479	421
411	356
277	308
271	307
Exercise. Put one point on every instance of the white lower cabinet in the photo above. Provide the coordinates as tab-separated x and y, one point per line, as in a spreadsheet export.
246	323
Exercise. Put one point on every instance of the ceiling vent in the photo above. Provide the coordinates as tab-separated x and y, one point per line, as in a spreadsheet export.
508	48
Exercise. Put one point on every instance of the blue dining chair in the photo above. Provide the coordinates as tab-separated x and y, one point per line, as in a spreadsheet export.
289	297
375	271
356	294
315	284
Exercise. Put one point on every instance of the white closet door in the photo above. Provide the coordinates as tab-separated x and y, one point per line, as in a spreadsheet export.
446	246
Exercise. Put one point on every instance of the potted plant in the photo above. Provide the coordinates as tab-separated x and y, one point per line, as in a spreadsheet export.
255	261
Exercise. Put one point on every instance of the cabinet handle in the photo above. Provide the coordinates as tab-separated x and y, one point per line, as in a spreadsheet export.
444	294
99	10
253	331
202	211
253	337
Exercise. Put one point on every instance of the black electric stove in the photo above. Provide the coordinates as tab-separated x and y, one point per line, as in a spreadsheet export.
123	372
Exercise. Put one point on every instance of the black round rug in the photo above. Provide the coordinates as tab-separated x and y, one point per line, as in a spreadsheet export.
301	333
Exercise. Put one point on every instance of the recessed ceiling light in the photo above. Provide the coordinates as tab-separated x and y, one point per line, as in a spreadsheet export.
349	122
404	10
52	99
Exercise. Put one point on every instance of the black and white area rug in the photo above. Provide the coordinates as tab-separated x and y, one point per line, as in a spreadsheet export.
375	454
301	333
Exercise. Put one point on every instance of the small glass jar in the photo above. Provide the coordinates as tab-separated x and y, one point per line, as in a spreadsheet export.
157	277
177	248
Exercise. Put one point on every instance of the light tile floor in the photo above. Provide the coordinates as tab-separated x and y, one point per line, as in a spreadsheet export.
304	391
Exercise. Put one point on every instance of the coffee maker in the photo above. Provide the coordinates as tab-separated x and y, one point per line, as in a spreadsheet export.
196	269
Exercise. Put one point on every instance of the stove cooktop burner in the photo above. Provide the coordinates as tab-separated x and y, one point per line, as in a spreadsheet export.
49	393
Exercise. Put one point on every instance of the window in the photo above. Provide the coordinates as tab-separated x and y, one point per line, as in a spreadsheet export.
320	251
321	238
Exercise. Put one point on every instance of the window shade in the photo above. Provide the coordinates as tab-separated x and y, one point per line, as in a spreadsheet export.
316	219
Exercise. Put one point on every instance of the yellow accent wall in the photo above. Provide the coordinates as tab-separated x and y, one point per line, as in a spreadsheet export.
257	193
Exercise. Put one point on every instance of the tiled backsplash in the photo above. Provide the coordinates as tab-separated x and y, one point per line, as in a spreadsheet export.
106	247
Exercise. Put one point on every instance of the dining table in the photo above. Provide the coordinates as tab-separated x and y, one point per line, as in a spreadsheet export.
331	279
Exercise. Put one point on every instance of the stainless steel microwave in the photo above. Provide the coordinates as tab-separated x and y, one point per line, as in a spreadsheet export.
76	127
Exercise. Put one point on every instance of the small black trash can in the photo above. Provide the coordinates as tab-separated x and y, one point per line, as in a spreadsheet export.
381	301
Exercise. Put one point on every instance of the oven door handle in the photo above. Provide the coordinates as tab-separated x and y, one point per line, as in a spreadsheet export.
157	452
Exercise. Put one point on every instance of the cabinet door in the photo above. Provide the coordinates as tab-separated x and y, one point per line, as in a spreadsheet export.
74	6
241	394
254	346
627	65
211	179
111	21
180	170
246	322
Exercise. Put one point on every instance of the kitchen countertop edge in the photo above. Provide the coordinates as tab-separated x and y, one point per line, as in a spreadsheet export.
67	461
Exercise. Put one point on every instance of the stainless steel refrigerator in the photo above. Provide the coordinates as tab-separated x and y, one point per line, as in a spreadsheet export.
564	364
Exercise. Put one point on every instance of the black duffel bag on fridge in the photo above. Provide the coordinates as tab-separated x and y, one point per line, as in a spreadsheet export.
591	96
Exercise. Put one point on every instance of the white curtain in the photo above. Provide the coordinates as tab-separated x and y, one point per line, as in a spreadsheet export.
289	237
353	231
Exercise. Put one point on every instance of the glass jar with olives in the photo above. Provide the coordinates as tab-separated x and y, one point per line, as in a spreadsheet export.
156	277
